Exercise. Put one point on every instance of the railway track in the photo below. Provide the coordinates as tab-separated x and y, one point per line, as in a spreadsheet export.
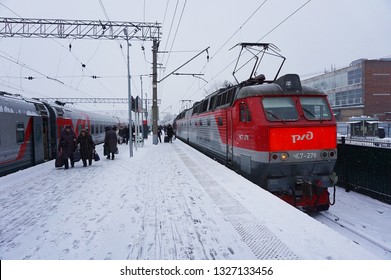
347	229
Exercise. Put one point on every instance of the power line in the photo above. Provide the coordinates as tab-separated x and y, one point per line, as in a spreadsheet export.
176	31
70	46
268	33
244	23
298	9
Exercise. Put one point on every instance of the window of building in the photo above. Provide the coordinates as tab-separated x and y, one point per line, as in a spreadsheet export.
355	76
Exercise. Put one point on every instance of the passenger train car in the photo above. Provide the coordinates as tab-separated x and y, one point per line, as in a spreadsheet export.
30	130
278	134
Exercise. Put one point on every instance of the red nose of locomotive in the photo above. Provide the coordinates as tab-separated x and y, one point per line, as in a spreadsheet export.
302	138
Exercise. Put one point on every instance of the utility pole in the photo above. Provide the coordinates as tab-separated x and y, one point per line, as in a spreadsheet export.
129	96
155	48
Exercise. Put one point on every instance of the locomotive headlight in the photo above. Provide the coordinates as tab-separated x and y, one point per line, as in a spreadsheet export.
325	154
284	156
332	154
274	156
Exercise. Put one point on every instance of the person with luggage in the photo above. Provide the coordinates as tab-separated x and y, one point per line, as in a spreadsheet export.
87	147
67	145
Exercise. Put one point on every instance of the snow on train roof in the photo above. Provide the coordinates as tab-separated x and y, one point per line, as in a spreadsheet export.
270	89
15	104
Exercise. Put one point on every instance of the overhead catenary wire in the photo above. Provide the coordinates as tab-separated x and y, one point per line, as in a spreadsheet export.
69	48
268	33
222	46
10	58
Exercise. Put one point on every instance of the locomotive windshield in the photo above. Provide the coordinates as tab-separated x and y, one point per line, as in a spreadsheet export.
315	108
280	109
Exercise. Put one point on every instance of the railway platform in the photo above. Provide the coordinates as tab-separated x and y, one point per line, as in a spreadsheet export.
167	202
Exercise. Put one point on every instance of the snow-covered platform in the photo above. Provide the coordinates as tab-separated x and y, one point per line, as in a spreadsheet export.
166	202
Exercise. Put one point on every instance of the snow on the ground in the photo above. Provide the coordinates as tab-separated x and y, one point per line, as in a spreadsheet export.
167	202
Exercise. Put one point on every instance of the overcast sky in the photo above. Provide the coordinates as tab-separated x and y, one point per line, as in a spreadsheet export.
313	36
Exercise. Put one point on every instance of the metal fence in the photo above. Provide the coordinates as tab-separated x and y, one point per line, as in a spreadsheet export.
365	167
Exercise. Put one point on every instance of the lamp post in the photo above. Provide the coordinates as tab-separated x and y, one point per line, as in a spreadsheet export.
129	97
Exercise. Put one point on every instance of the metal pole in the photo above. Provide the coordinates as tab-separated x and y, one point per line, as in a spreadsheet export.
142	110
129	98
154	92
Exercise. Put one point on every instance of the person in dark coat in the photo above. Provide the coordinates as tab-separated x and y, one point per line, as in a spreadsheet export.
159	134
67	145
111	142
170	132
126	134
87	147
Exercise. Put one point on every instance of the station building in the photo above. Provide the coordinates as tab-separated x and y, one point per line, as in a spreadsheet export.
361	89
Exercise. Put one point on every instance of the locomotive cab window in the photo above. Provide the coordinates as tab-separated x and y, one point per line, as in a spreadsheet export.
280	109
315	108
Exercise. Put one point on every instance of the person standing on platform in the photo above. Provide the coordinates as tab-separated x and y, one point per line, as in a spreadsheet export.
111	142
159	134
170	133
87	147
67	145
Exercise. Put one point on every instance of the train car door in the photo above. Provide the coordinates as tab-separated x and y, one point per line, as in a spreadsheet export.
229	139
38	141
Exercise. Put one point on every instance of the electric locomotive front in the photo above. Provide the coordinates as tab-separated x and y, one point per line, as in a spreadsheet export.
290	141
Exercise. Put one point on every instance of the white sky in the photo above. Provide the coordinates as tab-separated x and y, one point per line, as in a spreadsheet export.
320	35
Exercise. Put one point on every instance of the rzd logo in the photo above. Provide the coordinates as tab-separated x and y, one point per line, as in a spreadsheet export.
307	136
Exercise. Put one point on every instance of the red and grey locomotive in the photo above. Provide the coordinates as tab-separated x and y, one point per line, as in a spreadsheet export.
278	134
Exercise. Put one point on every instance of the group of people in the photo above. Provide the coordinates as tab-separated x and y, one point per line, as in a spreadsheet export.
168	130
69	143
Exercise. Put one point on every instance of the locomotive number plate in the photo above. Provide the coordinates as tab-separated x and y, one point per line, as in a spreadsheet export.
305	155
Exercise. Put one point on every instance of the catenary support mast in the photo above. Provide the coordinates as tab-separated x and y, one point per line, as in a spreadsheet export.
90	29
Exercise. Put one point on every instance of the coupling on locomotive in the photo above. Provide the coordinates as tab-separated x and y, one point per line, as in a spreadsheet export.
277	133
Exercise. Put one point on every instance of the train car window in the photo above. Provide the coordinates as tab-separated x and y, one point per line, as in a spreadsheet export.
19	133
92	129
280	109
244	113
41	109
315	108
212	103
60	111
205	104
208	122
218	102
230	95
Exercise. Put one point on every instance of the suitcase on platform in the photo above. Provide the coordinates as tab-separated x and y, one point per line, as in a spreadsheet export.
166	140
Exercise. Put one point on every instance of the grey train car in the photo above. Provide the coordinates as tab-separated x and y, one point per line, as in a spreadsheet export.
30	130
